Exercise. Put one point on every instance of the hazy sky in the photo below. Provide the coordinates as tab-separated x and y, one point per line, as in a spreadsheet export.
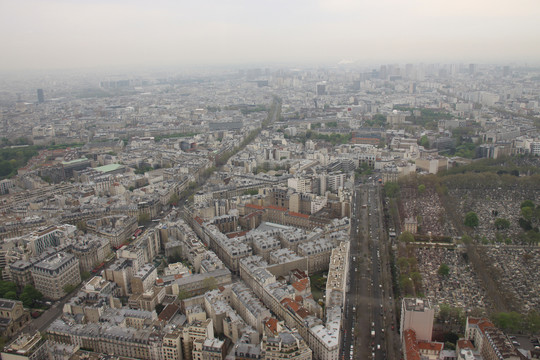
93	33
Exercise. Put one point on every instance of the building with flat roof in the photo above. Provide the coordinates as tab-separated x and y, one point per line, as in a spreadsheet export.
286	345
418	315
54	273
32	347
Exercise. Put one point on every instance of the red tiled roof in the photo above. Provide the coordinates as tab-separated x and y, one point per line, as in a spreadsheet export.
293	305
482	323
299	274
278	208
303	313
199	220
253	206
465	344
168	312
292	213
411	346
301	284
236	234
271	324
430	346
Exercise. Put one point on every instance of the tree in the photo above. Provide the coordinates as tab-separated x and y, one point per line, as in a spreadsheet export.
68	288
527	203
391	189
12	295
421	188
533	321
30	296
406	237
210	283
81	225
471	219
524	224
159	308
144	218
173	200
511	321
424	141
527	213
175	257
406	284
7	286
444	270
183	294
85	275
502	224
403	264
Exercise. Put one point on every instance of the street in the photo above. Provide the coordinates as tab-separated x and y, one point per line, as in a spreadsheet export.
369	310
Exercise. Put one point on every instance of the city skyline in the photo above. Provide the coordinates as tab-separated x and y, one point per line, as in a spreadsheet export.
84	34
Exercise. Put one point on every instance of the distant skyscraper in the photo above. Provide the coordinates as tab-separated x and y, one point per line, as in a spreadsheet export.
40	96
321	88
472	69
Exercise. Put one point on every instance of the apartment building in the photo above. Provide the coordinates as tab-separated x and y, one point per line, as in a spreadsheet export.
54	273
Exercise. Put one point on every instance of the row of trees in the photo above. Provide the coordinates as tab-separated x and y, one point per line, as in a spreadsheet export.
29	296
333	138
514	322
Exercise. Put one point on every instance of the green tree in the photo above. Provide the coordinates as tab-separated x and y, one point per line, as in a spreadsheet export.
12	295
159	308
444	270
7	286
81	225
68	288
421	188
533	321
512	321
144	219
527	203
403	264
391	189
251	192
30	295
173	200
502	224
471	219
524	224
466	239
210	283
406	237
183	294
527	213
175	257
406	284
424	141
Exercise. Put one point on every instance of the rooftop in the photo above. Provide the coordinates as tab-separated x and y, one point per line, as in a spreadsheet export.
109	168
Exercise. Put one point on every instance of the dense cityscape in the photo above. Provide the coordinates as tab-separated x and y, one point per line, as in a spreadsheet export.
327	213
